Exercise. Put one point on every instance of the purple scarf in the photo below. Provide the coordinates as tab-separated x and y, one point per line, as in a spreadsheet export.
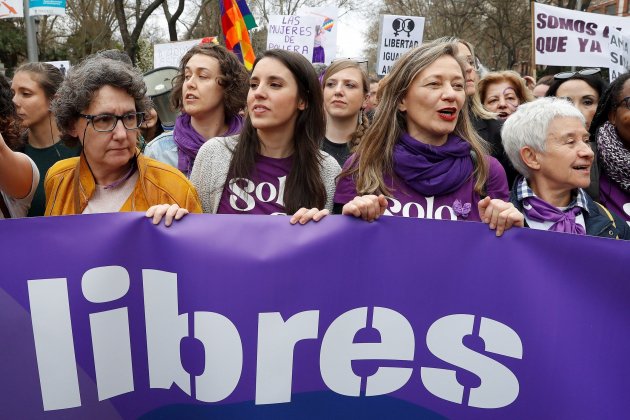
433	170
564	221
189	141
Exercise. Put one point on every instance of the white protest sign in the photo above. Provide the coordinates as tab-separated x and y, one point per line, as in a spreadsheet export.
292	33
11	9
619	53
564	37
170	53
325	48
397	35
63	66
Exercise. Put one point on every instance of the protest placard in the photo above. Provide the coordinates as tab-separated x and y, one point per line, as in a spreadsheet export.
564	37
11	9
228	316
397	35
292	33
325	48
619	53
47	7
169	54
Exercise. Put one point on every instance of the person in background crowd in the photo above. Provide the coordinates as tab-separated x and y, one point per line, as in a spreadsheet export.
372	98
486	123
582	88
101	104
275	165
150	128
345	91
210	90
548	144
422	152
542	86
502	92
18	173
610	131
34	86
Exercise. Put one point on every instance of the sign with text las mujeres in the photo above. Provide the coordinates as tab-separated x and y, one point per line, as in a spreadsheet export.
564	37
292	33
108	316
397	35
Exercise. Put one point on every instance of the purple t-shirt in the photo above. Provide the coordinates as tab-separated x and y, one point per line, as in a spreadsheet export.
614	198
458	205
262	194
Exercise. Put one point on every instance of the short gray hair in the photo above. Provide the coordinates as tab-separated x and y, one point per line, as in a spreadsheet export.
82	83
528	126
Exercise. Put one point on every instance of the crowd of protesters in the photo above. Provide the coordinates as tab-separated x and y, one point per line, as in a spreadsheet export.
432	139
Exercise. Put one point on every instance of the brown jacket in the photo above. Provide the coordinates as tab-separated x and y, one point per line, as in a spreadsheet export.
69	185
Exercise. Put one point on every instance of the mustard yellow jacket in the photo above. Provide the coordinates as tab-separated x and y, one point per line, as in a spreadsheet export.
69	185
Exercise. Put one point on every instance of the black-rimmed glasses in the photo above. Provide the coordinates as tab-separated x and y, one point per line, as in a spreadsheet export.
105	123
583	72
625	100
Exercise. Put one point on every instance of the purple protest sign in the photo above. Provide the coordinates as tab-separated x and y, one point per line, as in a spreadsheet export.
108	316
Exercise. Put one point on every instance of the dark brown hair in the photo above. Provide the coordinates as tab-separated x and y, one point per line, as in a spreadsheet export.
233	79
304	187
9	121
48	77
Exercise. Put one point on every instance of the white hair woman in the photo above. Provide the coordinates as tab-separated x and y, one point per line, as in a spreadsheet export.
548	144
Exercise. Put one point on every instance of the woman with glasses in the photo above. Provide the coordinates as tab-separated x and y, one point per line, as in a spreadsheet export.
34	86
610	130
582	88
421	156
101	105
210	90
345	93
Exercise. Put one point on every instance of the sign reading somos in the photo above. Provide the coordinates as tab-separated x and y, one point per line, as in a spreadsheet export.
397	35
249	316
570	38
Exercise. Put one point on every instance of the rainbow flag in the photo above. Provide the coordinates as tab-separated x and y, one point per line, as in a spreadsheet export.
236	20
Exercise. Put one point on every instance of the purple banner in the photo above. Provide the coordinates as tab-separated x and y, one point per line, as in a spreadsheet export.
108	316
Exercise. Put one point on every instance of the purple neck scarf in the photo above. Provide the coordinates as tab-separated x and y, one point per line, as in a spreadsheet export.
189	141
433	170
564	221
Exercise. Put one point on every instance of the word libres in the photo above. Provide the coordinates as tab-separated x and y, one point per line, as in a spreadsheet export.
223	348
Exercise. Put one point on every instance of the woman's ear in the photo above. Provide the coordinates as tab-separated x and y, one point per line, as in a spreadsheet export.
530	158
302	105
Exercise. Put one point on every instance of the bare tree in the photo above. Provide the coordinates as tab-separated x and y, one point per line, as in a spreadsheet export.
139	15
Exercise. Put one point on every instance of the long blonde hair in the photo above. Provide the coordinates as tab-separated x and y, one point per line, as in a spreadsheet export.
374	155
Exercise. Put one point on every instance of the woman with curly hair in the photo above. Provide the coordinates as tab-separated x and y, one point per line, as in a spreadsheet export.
18	174
610	130
101	104
345	91
210	90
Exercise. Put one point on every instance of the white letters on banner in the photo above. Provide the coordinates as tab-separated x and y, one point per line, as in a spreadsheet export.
224	352
564	37
292	33
397	35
